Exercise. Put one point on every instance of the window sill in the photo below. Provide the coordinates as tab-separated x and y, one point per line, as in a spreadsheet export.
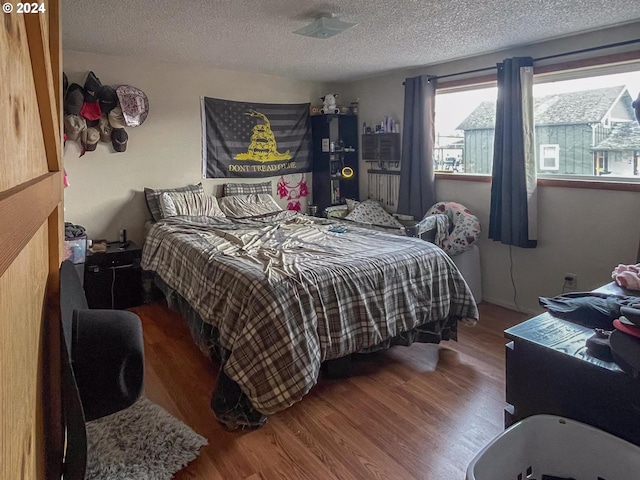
464	177
616	185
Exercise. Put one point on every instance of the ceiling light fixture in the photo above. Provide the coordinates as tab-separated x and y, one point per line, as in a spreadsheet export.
325	26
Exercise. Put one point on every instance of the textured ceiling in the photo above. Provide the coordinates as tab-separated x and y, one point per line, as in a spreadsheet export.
256	36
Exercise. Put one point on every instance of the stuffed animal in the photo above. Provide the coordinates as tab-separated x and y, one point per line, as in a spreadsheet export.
329	101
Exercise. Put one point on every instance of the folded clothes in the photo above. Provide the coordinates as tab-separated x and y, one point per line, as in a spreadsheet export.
592	309
73	231
99	246
627	276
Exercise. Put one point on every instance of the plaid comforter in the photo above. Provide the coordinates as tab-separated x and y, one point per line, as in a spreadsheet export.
287	293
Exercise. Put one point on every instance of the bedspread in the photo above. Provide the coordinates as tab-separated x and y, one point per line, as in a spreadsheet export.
287	293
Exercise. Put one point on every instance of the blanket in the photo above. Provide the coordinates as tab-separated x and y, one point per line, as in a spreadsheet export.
287	292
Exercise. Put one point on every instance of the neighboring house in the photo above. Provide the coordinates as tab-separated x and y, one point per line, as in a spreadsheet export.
592	132
448	153
619	153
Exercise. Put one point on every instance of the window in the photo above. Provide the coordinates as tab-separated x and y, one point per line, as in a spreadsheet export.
464	126
584	125
591	122
549	157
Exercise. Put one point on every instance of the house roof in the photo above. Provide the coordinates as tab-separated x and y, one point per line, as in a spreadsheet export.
623	137
587	106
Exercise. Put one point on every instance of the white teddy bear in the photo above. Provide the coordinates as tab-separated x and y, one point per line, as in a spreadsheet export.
329	101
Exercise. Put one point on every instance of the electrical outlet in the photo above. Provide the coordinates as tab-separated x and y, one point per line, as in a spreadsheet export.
570	281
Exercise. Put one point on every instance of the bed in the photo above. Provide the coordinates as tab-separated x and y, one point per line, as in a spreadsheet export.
273	296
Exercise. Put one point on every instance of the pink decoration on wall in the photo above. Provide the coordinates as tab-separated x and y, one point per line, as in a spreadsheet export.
293	192
294	205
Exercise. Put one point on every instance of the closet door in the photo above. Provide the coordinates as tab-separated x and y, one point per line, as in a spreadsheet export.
31	233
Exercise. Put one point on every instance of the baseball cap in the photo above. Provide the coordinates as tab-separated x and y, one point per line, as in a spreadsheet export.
116	119
134	104
105	129
632	313
107	98
93	137
74	99
75	127
119	139
625	328
92	86
90	111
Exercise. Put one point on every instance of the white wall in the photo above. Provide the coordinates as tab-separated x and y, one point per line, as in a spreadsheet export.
581	231
105	194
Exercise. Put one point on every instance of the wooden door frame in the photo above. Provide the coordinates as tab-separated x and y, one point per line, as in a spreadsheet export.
26	207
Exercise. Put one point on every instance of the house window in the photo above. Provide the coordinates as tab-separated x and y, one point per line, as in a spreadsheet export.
464	127
583	119
587	116
549	157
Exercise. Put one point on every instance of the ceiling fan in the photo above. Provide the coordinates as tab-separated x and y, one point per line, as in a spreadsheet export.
324	26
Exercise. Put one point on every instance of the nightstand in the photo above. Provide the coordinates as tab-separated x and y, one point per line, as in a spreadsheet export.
113	279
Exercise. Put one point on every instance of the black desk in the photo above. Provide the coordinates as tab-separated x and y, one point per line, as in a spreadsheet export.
548	371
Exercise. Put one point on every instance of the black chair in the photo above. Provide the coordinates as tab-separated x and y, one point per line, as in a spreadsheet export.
103	364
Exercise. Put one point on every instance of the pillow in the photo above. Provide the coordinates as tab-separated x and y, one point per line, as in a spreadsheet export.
189	203
370	212
336	211
248	205
351	204
229	189
152	197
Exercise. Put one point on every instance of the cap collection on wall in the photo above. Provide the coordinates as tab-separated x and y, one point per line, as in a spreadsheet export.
100	113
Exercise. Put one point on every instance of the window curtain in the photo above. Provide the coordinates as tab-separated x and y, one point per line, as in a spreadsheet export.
513	216
417	181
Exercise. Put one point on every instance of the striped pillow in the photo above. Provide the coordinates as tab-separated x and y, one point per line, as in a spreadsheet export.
246	188
240	206
189	203
152	195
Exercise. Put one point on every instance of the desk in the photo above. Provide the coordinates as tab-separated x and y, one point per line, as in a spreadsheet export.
548	370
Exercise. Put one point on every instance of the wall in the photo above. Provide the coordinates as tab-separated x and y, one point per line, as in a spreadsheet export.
105	194
581	231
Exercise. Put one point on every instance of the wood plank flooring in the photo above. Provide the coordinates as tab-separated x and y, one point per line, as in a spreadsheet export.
420	412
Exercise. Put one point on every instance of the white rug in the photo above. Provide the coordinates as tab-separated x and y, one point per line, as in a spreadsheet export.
142	442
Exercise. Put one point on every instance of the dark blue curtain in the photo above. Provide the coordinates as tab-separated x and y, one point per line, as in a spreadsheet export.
417	181
509	219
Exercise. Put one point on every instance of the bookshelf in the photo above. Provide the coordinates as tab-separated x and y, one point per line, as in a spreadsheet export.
335	159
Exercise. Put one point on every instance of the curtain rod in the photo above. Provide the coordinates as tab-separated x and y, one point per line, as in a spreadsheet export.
558	55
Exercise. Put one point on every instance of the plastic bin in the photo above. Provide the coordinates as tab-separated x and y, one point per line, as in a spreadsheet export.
75	249
550	445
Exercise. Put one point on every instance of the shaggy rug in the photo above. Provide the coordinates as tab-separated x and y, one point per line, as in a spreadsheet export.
143	441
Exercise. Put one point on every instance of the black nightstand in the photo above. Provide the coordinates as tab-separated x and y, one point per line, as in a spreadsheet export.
113	279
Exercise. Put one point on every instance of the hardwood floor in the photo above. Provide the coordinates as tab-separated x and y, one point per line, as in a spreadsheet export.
420	412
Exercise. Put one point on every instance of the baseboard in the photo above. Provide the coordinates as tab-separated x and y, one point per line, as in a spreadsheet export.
510	306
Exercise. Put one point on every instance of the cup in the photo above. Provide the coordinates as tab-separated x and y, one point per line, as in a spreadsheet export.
313	210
